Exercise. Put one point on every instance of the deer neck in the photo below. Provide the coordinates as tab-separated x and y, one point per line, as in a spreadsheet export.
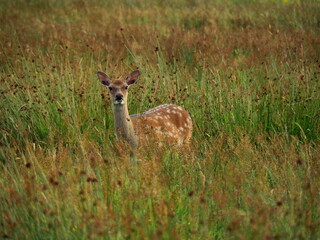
123	125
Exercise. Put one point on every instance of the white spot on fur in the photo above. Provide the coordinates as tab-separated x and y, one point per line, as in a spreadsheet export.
158	132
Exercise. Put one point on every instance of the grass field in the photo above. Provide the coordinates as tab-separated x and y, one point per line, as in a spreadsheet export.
247	71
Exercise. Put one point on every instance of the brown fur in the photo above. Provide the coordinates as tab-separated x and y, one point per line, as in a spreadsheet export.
165	123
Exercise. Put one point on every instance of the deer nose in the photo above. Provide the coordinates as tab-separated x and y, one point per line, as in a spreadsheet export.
119	96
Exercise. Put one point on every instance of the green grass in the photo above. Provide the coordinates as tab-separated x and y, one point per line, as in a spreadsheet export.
247	72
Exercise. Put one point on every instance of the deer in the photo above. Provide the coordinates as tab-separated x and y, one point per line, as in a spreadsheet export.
164	123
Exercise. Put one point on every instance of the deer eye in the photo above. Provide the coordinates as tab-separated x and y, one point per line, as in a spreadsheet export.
110	88
126	87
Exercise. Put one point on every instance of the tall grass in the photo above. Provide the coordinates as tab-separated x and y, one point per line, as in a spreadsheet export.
248	73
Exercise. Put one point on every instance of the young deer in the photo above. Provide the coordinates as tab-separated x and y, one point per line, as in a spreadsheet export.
168	122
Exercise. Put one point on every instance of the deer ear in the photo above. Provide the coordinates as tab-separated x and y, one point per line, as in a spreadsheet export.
104	79
133	77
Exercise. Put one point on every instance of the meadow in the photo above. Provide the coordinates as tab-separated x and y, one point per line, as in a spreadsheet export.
248	72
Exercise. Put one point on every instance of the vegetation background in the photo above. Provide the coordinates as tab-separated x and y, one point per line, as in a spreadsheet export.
248	73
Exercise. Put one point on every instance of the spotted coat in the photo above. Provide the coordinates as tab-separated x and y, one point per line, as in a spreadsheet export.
165	122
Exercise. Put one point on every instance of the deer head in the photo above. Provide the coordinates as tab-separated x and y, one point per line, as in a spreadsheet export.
118	89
